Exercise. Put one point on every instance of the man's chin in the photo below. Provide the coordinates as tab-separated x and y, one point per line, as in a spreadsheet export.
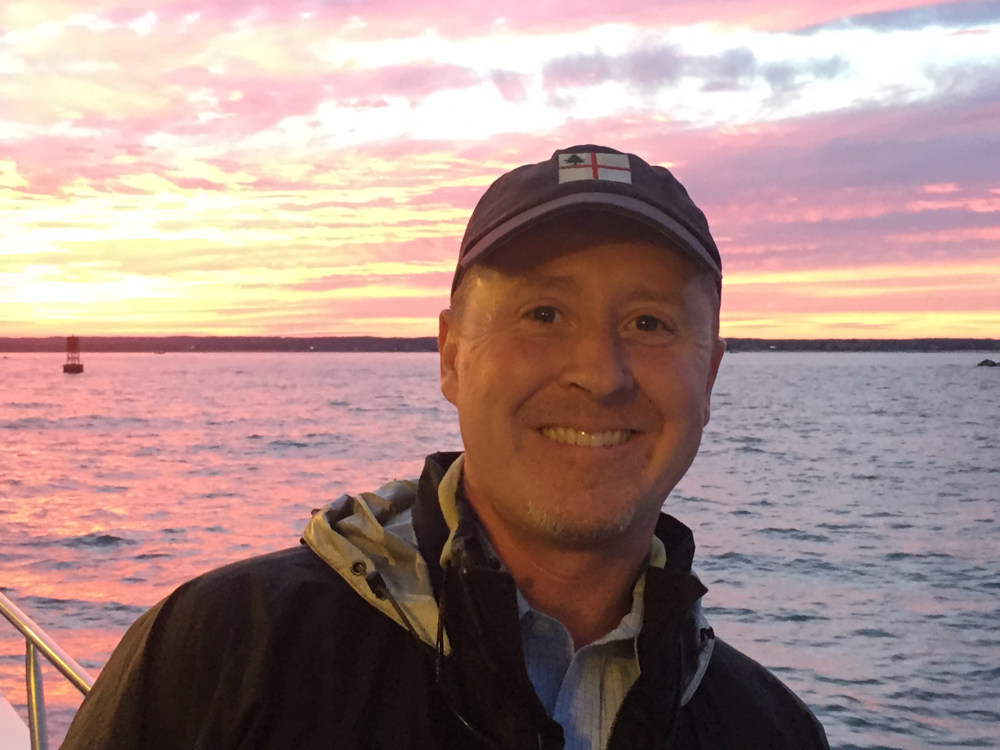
579	530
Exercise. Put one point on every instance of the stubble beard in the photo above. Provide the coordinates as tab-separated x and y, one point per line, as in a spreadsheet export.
576	533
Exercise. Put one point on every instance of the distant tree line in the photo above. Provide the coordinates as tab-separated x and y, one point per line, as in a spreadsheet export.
223	344
165	344
863	345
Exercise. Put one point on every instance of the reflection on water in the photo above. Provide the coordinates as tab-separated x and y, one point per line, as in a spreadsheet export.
845	507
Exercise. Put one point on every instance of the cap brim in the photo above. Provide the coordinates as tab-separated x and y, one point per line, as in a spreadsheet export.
621	204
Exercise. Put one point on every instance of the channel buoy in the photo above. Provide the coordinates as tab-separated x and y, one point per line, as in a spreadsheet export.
73	364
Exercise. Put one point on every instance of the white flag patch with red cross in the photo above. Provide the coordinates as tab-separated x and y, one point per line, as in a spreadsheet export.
594	166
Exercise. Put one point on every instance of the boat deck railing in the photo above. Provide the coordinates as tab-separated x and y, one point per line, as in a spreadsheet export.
37	641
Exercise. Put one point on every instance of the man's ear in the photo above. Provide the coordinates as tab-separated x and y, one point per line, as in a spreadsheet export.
717	351
448	351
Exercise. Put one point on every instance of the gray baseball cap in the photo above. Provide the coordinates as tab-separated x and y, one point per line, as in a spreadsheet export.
587	177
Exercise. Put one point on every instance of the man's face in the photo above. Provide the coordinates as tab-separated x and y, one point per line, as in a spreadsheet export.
582	379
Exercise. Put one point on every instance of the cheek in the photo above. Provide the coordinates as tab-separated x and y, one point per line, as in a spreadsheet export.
501	386
506	368
679	387
479	390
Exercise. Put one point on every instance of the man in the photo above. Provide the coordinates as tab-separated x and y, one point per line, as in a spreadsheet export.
527	593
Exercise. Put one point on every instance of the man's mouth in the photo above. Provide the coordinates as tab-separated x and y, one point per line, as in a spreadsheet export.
570	436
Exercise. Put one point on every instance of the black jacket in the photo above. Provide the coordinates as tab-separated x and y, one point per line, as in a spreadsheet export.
288	650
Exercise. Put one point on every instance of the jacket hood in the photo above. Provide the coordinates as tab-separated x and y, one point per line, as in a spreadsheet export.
371	542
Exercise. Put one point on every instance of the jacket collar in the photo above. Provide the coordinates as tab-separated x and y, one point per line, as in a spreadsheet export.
388	546
429	526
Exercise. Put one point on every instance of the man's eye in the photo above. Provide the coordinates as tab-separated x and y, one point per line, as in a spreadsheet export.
648	323
544	314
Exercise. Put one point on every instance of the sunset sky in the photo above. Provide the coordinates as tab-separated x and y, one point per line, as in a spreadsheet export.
306	167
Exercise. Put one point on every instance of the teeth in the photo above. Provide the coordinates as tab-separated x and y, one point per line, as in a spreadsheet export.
590	439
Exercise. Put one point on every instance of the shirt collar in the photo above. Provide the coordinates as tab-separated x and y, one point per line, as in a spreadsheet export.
630	624
627	630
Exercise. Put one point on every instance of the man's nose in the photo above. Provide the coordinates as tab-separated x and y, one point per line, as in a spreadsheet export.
600	363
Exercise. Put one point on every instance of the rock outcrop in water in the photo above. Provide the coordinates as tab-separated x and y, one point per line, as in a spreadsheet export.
988	363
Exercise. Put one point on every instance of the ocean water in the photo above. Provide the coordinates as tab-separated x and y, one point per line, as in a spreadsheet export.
846	508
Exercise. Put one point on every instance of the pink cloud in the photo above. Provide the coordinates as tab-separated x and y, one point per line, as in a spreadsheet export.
310	315
426	308
385	202
393	18
430	280
648	68
413	81
464	197
420	250
197	183
399	17
945	187
964	235
511	85
884	297
974	204
249	103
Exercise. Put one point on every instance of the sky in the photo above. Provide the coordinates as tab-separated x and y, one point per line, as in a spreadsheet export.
307	167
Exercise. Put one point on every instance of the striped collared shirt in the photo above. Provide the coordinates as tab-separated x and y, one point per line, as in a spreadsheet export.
582	689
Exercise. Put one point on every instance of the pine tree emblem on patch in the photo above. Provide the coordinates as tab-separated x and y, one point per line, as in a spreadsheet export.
593	166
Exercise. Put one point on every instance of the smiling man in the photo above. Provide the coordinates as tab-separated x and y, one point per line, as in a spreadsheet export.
527	592
581	359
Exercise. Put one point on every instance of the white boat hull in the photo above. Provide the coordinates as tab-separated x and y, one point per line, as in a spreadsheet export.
13	732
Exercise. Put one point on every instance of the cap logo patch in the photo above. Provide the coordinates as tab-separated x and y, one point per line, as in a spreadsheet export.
594	166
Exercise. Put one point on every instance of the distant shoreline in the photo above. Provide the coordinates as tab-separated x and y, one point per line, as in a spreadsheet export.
222	344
